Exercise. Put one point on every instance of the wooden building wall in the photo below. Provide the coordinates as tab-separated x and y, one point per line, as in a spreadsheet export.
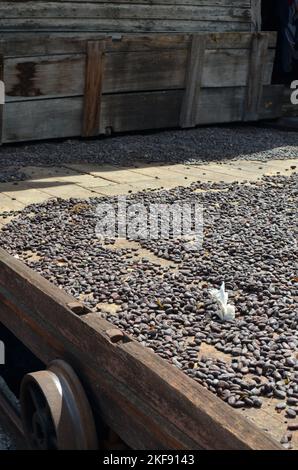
131	15
70	85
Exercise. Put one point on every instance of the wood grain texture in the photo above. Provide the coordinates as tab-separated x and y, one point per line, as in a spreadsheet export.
122	26
42	119
271	102
93	87
64	74
62	117
228	3
146	401
142	74
126	16
140	111
256	15
32	44
259	54
122	11
289	109
2	90
193	82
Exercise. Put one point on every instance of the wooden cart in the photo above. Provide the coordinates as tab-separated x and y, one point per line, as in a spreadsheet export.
147	402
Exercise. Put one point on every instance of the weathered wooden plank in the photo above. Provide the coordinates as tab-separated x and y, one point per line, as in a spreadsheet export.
256	15
1	91
228	3
138	111
111	10
28	44
144	71
122	26
230	68
55	118
173	412
93	87
220	105
289	109
271	102
236	40
162	109
223	105
45	76
42	119
259	53
194	73
63	75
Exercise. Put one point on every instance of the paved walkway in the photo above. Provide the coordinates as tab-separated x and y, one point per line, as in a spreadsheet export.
89	180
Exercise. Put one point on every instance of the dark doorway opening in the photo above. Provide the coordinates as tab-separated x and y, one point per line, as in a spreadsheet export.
270	20
275	17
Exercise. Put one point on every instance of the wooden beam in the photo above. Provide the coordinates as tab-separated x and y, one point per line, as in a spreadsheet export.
258	59
93	87
124	72
149	403
124	112
2	91
288	108
194	73
256	15
42	44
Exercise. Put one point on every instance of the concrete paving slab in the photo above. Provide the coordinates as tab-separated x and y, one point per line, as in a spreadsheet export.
28	196
205	175
40	172
261	168
154	172
8	204
14	187
88	167
123	176
69	191
116	174
230	170
89	180
115	190
83	179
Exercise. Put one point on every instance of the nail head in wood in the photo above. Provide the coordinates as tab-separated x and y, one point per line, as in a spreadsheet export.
78	308
115	335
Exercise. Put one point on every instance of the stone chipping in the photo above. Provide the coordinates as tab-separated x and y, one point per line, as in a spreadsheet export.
204	144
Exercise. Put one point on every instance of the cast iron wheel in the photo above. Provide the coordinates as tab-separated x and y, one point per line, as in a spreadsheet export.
55	410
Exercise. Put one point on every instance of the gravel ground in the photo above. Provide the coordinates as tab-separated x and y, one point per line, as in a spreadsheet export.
190	146
6	442
250	242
